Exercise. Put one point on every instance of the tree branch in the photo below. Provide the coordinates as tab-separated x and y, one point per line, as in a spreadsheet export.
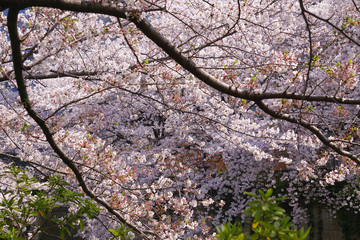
309	127
24	97
107	7
334	26
146	27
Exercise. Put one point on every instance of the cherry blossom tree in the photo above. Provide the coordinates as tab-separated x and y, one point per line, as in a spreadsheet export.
165	112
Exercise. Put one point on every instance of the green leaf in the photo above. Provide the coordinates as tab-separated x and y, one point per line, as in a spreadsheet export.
62	233
252	195
25	125
67	230
304	236
42	213
280	199
269	193
262	194
310	108
265	207
113	231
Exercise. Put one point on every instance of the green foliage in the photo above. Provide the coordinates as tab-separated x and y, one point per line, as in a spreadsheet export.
23	203
25	125
229	231
121	232
269	221
310	108
348	21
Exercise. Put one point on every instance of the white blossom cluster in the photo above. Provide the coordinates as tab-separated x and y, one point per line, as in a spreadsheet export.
167	152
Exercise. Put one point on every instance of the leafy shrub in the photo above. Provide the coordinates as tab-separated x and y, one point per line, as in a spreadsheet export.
269	222
25	201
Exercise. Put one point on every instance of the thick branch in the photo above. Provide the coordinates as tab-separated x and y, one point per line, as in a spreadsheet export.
309	127
55	74
189	65
71	5
146	27
310	45
17	61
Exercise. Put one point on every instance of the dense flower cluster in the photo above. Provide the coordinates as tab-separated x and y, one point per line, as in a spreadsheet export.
171	110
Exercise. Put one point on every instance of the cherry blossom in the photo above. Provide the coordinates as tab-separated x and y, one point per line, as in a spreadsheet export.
165	112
